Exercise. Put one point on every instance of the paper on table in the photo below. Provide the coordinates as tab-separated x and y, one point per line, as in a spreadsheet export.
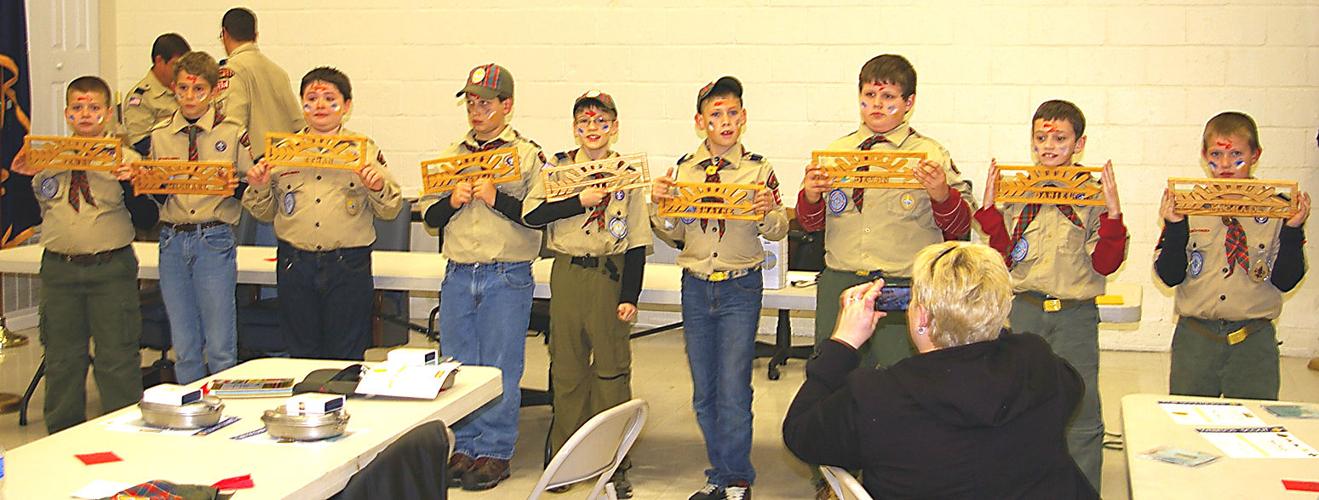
1258	442
100	488
1210	413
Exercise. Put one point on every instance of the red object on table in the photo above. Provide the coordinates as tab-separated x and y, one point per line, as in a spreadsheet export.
99	458
1293	485
234	483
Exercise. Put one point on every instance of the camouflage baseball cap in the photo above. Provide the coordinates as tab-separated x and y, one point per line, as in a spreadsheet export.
724	83
488	81
595	98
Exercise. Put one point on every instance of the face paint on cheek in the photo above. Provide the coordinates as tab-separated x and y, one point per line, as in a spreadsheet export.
100	119
1213	166
892	110
1241	163
72	118
335	106
710	126
605	127
306	108
581	131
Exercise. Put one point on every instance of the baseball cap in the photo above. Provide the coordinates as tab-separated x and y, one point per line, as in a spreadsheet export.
595	98
488	81
725	84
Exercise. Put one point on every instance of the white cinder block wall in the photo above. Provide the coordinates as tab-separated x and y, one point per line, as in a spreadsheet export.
1148	74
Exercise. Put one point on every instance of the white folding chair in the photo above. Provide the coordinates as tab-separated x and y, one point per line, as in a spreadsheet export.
844	485
596	449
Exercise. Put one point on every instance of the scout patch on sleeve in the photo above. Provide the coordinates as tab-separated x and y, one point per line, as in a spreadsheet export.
134	100
773	184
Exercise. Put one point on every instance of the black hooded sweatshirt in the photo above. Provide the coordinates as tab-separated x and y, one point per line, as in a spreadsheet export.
983	420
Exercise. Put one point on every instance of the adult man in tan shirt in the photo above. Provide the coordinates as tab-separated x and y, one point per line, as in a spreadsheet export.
152	99
486	294
254	91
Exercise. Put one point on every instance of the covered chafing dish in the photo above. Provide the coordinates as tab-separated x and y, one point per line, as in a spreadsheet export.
195	415
304	427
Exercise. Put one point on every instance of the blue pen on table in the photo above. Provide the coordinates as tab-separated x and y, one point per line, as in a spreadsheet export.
226	422
248	434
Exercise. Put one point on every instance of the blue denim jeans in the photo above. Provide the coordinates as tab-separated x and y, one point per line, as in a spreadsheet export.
719	321
198	272
484	310
325	301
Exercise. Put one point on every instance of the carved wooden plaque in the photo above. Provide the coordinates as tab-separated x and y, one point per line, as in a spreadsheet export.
610	174
709	200
1234	197
182	177
870	169
73	153
1049	185
316	151
441	175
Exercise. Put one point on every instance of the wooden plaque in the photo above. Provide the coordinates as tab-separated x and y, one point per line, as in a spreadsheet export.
73	153
346	152
615	174
182	177
440	175
1049	185
1234	197
709	200
870	169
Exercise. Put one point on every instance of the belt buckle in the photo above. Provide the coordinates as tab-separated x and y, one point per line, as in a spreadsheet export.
719	276
1053	305
1236	337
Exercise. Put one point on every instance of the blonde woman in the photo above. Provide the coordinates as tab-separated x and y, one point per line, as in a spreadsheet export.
979	413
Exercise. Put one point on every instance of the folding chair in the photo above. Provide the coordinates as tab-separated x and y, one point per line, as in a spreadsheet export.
415	467
844	485
595	450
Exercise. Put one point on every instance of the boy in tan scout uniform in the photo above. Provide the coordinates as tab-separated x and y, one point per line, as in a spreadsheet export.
1058	256
722	285
152	99
486	295
254	91
1229	274
88	270
324	219
600	240
197	256
874	233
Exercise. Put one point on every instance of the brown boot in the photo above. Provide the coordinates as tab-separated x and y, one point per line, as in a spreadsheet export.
485	473
458	465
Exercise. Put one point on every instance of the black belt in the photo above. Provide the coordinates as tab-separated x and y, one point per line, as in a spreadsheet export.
594	262
1234	337
1050	303
182	228
88	259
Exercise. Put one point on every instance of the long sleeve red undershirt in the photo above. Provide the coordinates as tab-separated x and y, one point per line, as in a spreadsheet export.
953	215
1109	252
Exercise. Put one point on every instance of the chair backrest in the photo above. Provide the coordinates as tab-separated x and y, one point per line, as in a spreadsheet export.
596	449
844	485
396	233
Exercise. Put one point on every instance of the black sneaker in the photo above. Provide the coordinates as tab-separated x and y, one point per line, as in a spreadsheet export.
739	490
485	473
622	486
710	491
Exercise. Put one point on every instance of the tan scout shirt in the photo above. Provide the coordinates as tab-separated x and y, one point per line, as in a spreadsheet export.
893	224
1209	293
704	250
148	104
92	228
477	234
625	224
222	141
322	209
258	93
1056	259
